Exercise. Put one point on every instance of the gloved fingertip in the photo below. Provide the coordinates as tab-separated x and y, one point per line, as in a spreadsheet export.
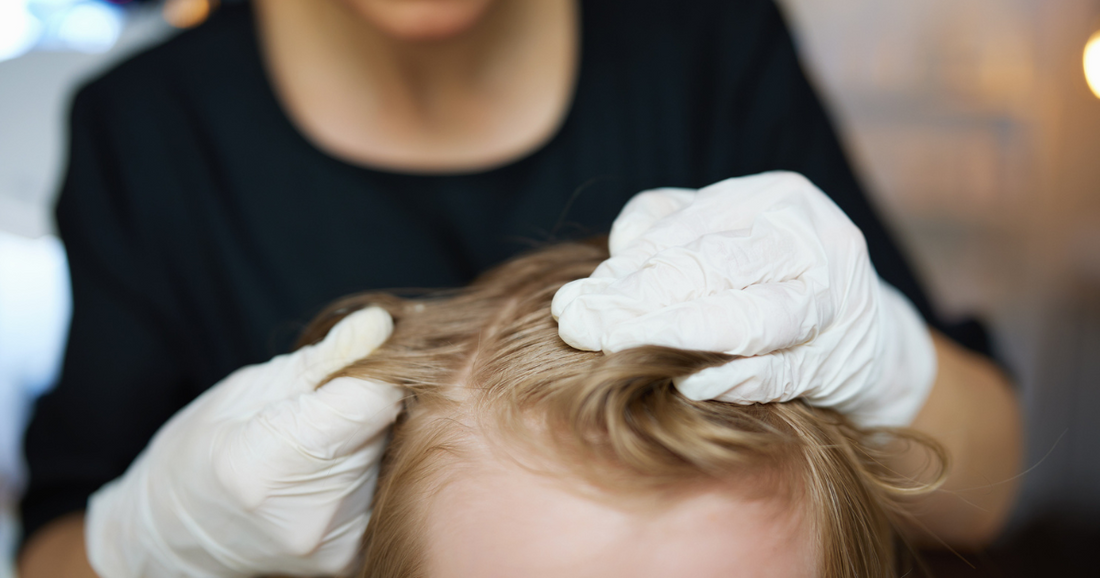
590	319
744	380
630	334
565	296
578	339
575	290
358	334
787	179
706	384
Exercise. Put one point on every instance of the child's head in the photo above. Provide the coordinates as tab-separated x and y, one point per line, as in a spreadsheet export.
520	456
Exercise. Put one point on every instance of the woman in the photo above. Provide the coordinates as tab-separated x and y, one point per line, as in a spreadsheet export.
236	179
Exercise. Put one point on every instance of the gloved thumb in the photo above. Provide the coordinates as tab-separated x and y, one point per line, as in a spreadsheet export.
333	438
306	435
336	419
353	338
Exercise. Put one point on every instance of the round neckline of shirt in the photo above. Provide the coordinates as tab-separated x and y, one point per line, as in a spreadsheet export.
286	123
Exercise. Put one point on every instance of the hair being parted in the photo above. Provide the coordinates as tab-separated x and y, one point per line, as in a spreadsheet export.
488	357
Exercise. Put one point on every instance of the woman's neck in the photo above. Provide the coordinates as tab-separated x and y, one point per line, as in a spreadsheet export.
480	98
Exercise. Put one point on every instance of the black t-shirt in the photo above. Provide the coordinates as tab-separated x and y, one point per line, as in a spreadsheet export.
203	230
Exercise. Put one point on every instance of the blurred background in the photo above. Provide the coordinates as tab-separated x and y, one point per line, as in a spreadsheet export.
973	126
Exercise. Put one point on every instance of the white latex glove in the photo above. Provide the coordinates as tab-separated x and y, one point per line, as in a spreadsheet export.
260	474
764	267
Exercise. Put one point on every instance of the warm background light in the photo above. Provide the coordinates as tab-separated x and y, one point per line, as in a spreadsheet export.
188	13
1092	63
980	144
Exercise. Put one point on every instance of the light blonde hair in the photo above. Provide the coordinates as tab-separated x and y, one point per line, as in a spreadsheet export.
616	419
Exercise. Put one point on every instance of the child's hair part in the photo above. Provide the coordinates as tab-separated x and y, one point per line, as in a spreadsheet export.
486	363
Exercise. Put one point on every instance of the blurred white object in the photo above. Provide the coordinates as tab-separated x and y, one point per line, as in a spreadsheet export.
264	473
1092	63
766	268
43	57
36	88
80	25
87	27
19	30
35	306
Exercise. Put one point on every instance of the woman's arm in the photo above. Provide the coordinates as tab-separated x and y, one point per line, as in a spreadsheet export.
973	411
57	550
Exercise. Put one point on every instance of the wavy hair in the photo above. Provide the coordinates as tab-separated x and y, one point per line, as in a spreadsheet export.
488	357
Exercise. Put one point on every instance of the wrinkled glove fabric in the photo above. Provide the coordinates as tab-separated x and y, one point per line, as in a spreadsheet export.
265	473
766	268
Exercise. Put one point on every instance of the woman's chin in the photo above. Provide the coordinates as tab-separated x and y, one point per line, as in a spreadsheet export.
422	20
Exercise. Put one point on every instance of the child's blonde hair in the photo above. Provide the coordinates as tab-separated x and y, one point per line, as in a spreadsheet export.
487	360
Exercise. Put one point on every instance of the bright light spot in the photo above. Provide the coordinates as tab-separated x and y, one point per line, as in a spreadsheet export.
19	30
1092	63
187	13
89	27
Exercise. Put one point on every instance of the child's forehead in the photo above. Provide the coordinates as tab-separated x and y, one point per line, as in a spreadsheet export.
499	519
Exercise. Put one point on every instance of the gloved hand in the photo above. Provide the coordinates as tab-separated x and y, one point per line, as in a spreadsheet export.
263	473
767	268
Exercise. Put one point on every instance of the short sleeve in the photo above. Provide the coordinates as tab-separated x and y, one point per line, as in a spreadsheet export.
121	376
768	117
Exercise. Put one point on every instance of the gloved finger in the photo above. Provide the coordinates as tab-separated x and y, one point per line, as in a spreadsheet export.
740	200
779	376
771	251
752	321
338	418
337	430
642	211
720	262
759	379
779	229
301	461
728	259
676	229
353	338
569	292
584	323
